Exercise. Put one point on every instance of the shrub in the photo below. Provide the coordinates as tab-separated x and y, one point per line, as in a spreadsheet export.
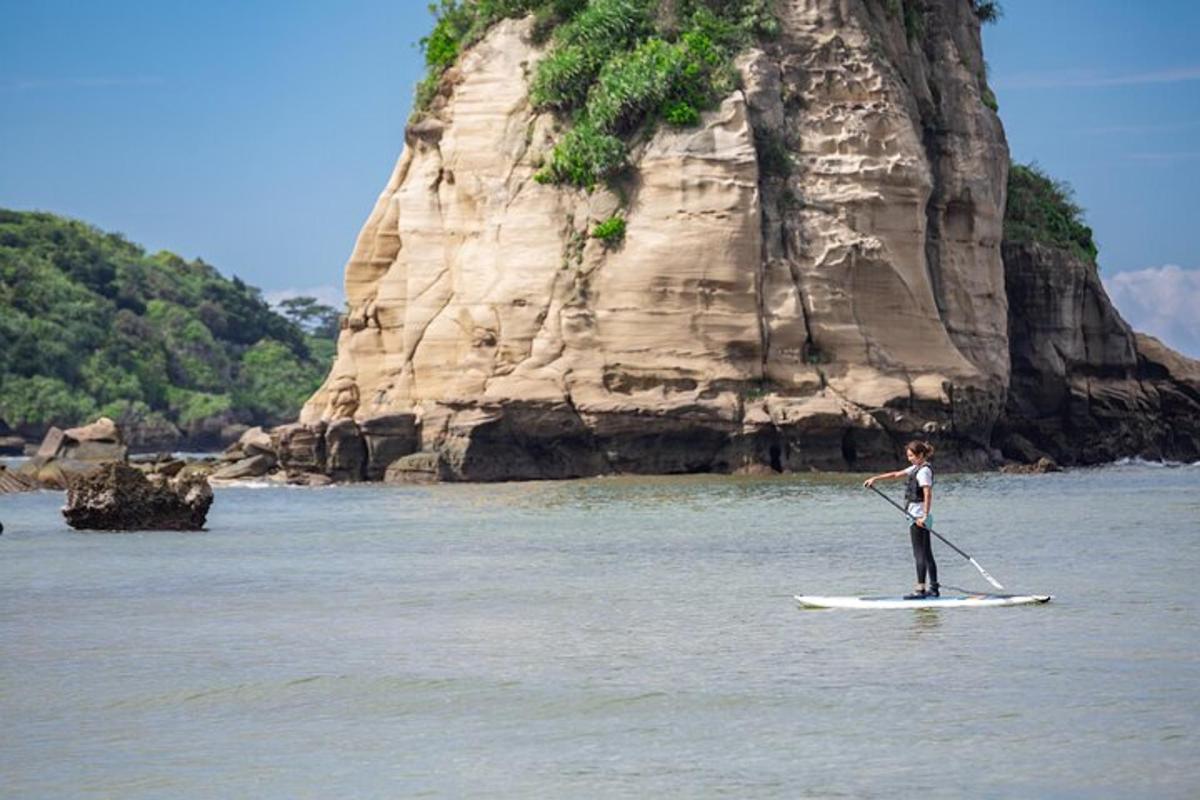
611	231
681	114
582	48
616	71
989	99
987	11
1043	210
583	157
43	400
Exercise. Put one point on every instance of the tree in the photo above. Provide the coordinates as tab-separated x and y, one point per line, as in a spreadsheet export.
316	318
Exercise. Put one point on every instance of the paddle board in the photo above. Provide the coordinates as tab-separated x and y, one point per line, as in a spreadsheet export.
947	601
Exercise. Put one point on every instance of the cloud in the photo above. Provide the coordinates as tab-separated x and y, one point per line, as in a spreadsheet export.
1161	301
326	295
1077	78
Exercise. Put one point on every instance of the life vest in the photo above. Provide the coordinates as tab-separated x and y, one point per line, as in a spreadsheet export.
912	490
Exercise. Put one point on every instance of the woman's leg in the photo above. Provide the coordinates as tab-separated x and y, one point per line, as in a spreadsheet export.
929	562
920	547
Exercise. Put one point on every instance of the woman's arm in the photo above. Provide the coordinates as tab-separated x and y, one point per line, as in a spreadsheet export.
927	491
900	473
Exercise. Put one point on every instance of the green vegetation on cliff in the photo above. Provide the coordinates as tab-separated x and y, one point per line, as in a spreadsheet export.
1043	210
91	324
615	68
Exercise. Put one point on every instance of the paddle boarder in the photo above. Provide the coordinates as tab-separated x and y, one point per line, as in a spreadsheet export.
918	501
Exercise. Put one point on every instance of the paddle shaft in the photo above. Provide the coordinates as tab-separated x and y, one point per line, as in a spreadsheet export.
931	530
949	543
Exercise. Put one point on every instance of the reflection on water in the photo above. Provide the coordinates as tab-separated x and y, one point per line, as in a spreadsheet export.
925	621
617	637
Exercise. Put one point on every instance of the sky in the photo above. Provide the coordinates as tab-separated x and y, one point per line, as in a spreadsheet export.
257	136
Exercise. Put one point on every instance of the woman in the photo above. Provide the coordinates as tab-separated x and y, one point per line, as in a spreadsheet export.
918	499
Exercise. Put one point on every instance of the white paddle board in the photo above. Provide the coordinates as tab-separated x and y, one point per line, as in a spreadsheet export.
948	601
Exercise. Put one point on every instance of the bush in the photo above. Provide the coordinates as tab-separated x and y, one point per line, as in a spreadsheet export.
989	99
611	231
602	30
987	11
583	157
615	71
43	401
681	114
1043	210
272	383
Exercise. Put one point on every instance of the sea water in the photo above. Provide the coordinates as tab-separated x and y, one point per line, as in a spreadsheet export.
625	638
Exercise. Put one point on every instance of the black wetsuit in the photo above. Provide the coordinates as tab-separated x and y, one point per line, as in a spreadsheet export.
921	544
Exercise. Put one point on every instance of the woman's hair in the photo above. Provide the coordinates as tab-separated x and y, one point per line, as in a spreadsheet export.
920	448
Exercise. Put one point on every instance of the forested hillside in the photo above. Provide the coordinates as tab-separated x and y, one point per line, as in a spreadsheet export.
91	324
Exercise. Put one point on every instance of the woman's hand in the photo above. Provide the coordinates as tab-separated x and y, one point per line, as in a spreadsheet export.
869	482
920	522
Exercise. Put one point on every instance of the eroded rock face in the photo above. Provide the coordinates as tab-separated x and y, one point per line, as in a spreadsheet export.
121	498
751	318
1085	388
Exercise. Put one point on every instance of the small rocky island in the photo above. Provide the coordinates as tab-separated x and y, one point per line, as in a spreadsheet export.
118	497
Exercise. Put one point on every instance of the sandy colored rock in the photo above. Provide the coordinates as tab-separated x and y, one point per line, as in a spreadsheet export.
256	442
255	466
13	482
346	452
809	277
98	442
300	447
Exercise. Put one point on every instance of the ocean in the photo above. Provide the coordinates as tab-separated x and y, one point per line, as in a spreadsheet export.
607	638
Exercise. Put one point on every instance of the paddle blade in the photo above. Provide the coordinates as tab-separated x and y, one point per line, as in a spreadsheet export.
984	573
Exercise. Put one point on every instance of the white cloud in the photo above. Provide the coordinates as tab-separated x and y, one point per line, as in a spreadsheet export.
1161	301
327	295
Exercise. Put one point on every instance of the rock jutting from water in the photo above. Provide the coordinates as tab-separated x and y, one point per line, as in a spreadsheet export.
66	455
811	310
119	497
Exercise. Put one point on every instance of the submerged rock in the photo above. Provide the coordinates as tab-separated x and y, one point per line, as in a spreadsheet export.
120	498
1039	467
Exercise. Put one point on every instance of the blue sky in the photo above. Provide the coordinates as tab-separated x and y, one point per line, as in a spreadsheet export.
258	135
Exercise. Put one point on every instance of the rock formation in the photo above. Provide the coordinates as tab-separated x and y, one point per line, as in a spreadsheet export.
1085	388
121	498
812	310
13	482
75	452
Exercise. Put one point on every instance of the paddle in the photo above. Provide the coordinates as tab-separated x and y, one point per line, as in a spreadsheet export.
975	563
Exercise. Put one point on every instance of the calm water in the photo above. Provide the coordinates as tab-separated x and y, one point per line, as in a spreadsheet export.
608	638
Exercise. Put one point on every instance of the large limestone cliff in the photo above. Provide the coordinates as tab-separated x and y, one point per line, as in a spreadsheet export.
813	314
